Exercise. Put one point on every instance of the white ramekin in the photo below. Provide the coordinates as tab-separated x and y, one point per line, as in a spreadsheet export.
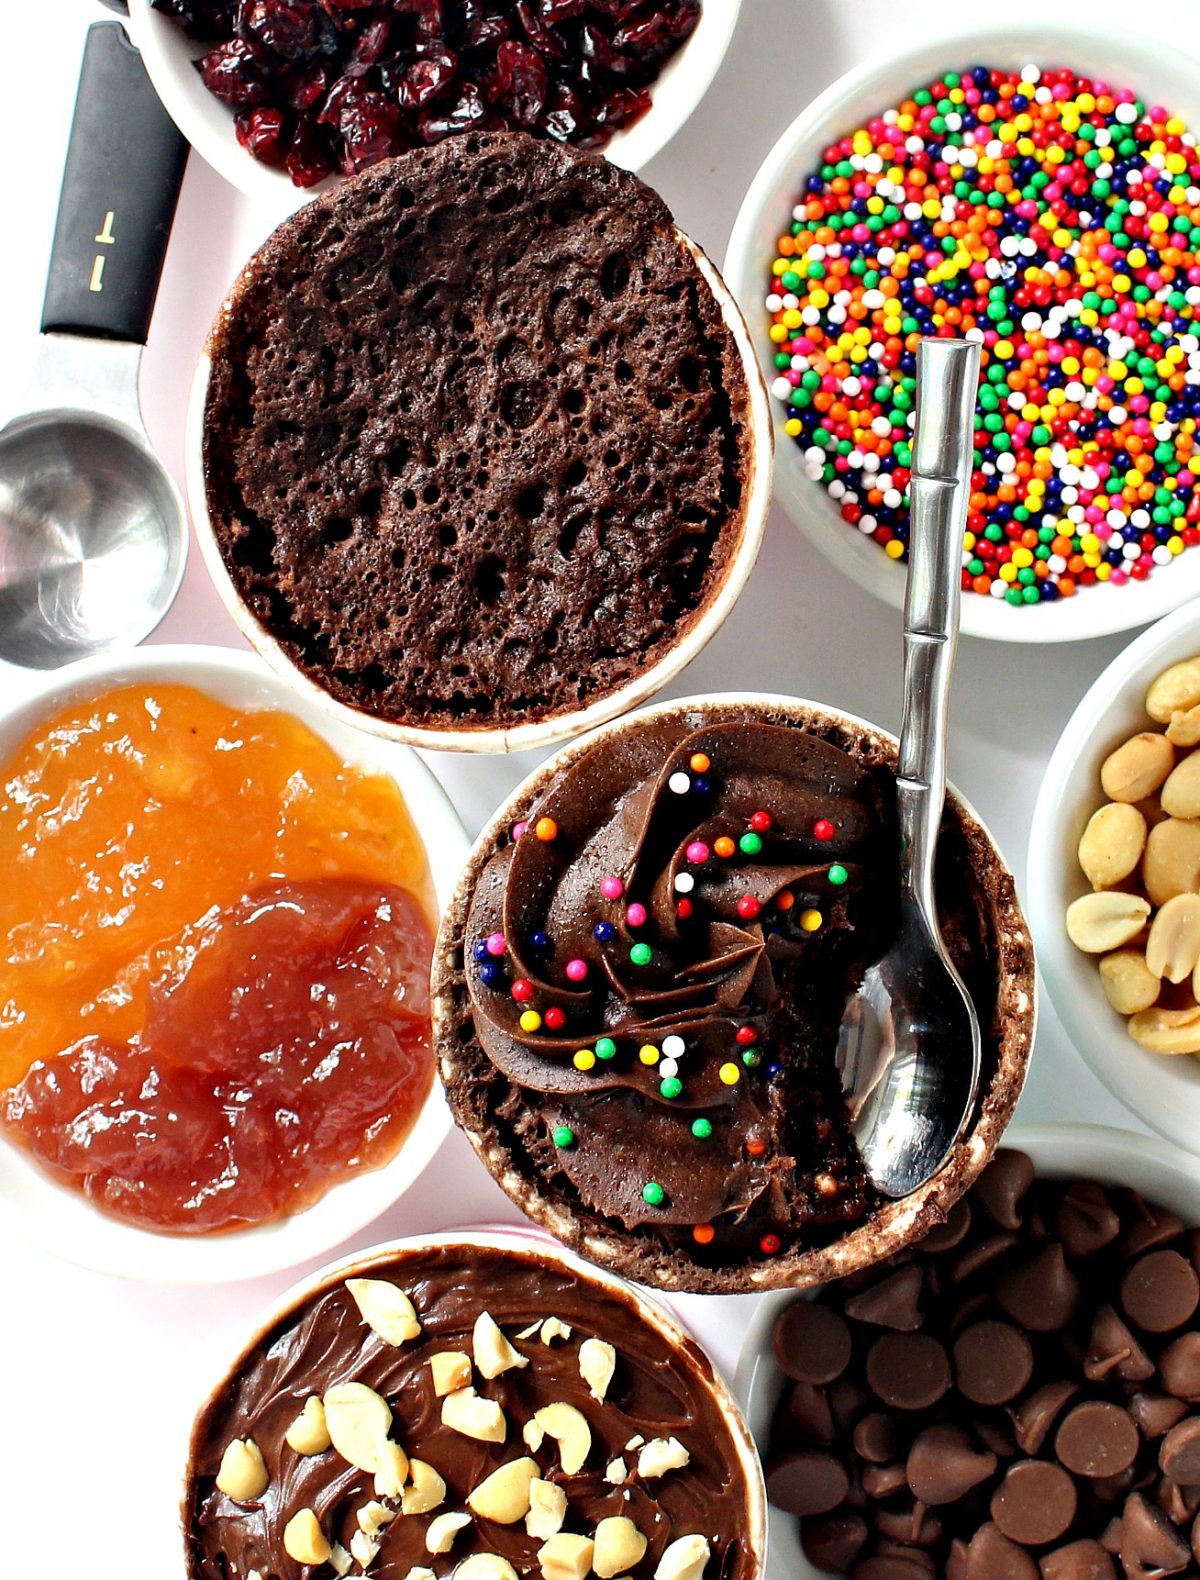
59	1219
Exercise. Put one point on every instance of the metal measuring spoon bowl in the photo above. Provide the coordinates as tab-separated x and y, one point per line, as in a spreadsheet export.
93	535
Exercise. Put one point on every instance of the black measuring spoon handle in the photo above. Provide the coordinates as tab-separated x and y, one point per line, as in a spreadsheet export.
124	168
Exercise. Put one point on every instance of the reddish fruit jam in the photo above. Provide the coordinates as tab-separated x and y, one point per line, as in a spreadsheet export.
320	86
215	969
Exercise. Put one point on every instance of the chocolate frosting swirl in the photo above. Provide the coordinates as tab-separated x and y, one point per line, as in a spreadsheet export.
752	976
658	1390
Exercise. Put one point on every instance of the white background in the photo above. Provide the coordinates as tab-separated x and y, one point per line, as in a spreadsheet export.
100	1378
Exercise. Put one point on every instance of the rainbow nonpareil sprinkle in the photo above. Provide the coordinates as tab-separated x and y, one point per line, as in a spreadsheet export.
1055	220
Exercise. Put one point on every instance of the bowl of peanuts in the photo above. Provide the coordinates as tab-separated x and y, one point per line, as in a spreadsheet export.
1113	885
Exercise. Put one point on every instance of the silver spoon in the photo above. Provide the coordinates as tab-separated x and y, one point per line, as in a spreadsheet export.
93	536
908	1047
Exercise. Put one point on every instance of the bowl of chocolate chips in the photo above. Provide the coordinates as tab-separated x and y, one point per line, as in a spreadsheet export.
1014	1397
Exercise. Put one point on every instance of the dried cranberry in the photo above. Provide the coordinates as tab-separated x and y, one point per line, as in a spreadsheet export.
210	21
264	133
371	46
556	11
480	26
619	10
290	29
518	81
544	39
370	132
305	85
468	113
648	41
563	114
308	159
231	73
425	79
599	52
430	19
622	108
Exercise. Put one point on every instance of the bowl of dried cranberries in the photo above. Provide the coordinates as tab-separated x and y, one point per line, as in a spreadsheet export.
286	96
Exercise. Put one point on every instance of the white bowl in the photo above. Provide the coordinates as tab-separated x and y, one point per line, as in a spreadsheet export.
1163	1091
556	727
208	124
58	1218
518	1243
1115	1157
1169	77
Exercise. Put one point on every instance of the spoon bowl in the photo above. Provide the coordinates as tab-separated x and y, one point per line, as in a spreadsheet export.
92	538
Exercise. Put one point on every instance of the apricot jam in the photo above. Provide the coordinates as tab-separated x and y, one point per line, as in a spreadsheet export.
214	959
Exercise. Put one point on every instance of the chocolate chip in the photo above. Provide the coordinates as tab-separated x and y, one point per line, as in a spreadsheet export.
992	1362
1178	1503
1113	1350
1150	1545
1001	1186
848	1402
1179	1367
979	1257
1155	1226
1155	1413
811	1342
995	1433
833	1541
1179	1452
898	1563
1039	1412
908	1370
1083	1560
945	1236
912	1525
956	1562
1086	1220
808	1410
991	1556
1035	1503
1160	1292
943	1465
882	1481
876	1438
1040	1293
894	1303
1097	1439
805	1481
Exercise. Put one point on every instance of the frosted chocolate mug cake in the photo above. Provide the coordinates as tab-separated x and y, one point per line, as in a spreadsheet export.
478	443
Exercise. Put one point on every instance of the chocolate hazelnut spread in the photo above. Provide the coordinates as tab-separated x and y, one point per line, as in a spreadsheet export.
659	1392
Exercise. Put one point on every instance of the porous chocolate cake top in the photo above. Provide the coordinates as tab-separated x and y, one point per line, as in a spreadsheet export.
477	438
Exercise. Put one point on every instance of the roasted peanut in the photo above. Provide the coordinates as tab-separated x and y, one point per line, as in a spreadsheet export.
1112	844
1171	860
1173	944
493	1353
385	1309
467	1413
1167	1030
451	1371
684	1559
391	1469
443	1528
243	1473
1128	982
1176	689
1184	728
1137	767
660	1455
566	1557
547	1509
304	1540
504	1495
481	1566
428	1490
1180	794
308	1433
619	1545
1101	922
597	1363
569	1428
358	1421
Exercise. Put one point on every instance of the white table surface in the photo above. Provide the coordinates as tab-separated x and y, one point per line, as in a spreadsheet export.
100	1378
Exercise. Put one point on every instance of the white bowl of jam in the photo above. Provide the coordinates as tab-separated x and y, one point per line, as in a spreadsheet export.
220	904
